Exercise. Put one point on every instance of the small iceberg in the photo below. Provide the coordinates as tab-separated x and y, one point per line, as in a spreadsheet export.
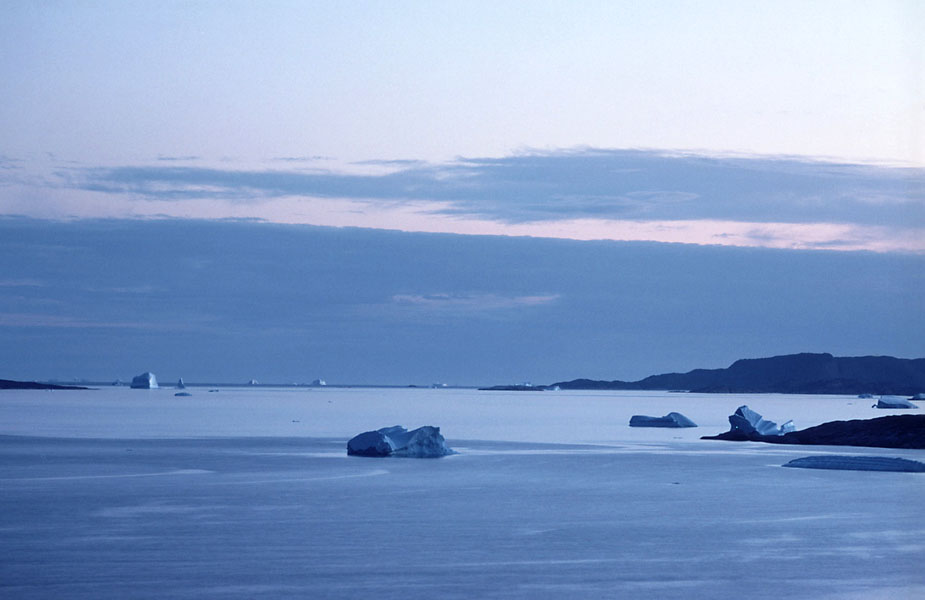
748	422
894	402
672	419
858	463
423	442
145	381
182	394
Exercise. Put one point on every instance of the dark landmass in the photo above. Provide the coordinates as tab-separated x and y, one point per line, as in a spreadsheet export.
895	431
7	384
791	374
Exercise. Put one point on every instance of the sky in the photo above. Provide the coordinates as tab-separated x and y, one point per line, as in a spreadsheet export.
728	137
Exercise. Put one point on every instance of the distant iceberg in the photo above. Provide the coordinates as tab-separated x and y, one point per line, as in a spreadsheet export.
747	421
894	402
672	419
423	442
858	463
145	381
181	385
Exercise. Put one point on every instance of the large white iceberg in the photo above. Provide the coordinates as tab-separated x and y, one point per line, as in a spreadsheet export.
145	381
747	421
423	442
672	419
894	402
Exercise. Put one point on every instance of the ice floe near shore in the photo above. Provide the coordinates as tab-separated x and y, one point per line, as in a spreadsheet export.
858	463
423	442
894	402
748	422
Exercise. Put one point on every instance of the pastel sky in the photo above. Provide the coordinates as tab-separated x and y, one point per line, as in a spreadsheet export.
792	126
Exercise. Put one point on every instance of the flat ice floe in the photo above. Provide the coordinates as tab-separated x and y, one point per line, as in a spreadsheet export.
672	419
858	463
894	402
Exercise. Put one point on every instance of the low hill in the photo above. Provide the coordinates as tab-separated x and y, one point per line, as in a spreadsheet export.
790	374
7	384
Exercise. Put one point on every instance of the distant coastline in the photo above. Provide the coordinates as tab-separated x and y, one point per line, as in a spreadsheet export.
789	374
804	373
8	384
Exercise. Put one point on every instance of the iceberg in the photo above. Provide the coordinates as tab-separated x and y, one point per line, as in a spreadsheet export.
894	402
181	385
858	463
145	381
672	419
423	442
748	422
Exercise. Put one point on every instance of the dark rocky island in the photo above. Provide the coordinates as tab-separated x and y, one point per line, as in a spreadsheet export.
7	384
895	431
790	374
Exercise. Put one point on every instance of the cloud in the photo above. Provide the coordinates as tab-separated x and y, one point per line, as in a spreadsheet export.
8	162
166	158
31	320
234	300
469	303
610	184
21	283
781	202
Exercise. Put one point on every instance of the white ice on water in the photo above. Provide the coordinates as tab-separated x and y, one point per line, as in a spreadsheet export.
145	381
249	493
672	419
747	421
858	463
423	442
894	402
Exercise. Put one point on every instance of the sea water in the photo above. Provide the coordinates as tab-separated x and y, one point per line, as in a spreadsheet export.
248	492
